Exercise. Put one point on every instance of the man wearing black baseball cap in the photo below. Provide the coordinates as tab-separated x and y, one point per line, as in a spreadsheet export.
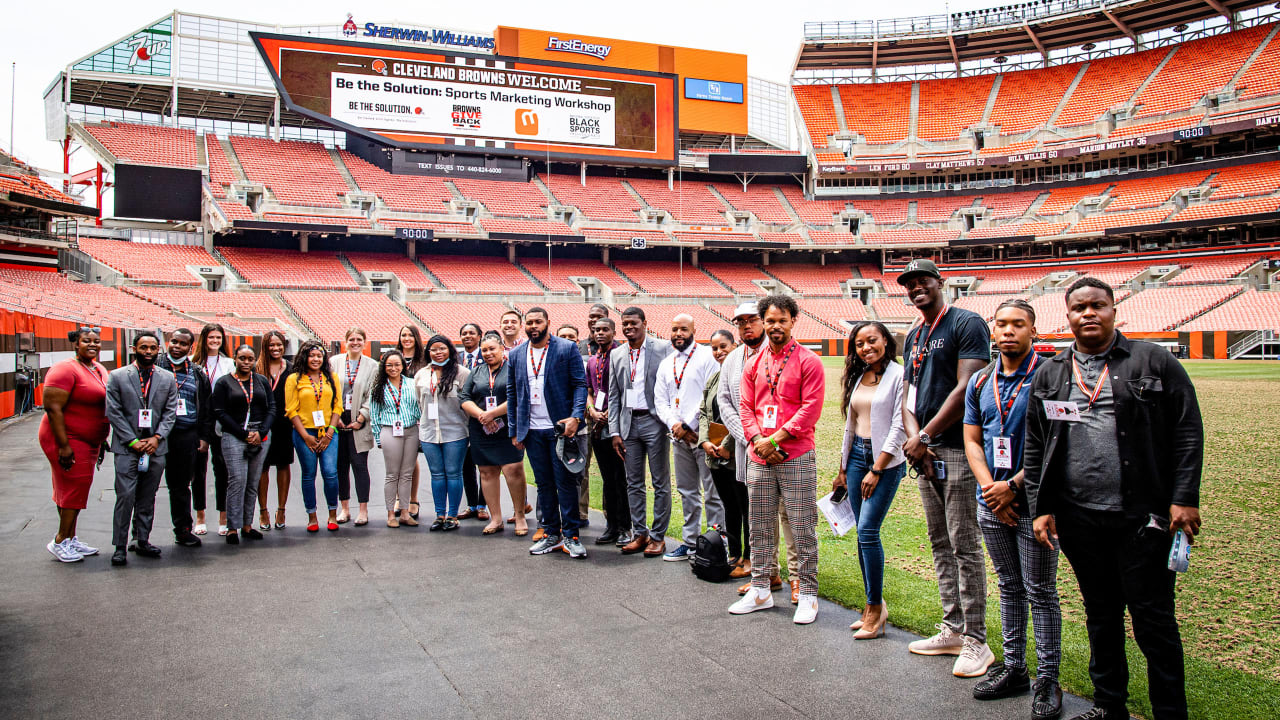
941	353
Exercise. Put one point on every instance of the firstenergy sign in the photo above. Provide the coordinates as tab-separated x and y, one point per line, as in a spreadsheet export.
575	45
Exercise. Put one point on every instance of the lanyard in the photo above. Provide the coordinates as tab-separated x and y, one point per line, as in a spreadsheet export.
921	353
144	388
1001	407
602	359
679	376
183	376
351	376
317	389
635	358
212	367
537	366
396	394
1093	393
93	370
247	390
773	377
493	374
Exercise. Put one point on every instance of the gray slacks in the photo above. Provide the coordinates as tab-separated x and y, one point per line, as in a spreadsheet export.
135	498
951	515
648	439
693	481
243	471
400	457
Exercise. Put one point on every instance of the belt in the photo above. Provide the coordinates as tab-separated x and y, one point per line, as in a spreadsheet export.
639	412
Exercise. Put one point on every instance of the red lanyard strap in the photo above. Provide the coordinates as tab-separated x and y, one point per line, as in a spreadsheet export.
772	377
395	394
317	389
679	376
1091	393
537	365
351	376
247	390
921	352
493	374
634	354
1001	407
144	388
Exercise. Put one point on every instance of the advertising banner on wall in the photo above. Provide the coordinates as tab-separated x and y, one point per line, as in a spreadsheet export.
427	99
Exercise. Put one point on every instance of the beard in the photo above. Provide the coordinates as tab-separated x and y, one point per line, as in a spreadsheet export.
754	342
535	336
144	361
681	344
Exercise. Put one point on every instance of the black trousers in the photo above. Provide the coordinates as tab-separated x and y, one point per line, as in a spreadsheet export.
736	507
178	471
1120	564
350	461
613	479
200	473
470	482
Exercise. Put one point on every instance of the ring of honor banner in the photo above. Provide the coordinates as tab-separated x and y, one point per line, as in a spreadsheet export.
427	99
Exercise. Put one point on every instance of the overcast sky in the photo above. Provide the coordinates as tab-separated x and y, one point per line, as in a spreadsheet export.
44	37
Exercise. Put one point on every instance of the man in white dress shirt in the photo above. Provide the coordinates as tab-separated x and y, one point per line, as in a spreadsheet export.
677	394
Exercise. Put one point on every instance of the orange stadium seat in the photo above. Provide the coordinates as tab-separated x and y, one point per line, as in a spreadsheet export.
1263	76
1228	208
818	112
556	277
880	112
666	278
889	211
949	106
1035	229
351	221
737	276
691	202
447	317
840	312
1061	200
1246	180
574	314
202	303
984	305
221	174
1108	82
910	236
1009	205
1251	310
757	199
271	268
406	270
330	314
1159	309
813	212
811	278
481	275
152	263
235	210
1151	128
658	317
1151	191
1215	269
297	173
505	199
147	144
601	199
1027	98
940	209
405	193
1197	67
895	309
1102	221
33	186
49	294
447	229
832	237
529	227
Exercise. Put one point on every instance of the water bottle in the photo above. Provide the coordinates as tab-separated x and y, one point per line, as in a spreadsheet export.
1180	553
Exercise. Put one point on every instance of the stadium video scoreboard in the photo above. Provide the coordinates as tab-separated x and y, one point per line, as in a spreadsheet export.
427	99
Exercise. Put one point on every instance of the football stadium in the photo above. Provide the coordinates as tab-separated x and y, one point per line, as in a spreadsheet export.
299	181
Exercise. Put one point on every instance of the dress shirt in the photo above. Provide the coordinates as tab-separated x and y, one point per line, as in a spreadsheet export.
800	389
695	365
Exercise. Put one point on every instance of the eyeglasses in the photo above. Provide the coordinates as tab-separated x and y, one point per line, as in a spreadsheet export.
740	322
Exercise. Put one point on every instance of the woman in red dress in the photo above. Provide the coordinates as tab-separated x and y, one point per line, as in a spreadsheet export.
72	432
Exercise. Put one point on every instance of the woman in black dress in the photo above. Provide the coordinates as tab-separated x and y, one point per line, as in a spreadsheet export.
484	399
274	367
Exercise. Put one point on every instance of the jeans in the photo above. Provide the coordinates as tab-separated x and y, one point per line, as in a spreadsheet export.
328	462
869	514
557	487
445	462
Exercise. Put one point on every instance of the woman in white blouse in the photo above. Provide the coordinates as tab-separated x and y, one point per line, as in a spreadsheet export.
872	452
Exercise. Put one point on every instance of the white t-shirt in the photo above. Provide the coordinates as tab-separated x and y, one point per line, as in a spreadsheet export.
538	417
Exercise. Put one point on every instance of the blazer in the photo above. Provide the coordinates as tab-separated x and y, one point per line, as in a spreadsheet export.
887	433
564	392
124	400
359	396
655	351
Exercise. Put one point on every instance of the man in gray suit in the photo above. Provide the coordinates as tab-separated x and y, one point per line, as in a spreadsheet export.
142	406
638	433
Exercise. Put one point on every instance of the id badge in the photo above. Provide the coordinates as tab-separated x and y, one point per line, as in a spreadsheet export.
144	418
770	420
635	398
317	419
490	402
1066	411
433	411
535	393
1003	447
600	399
182	406
911	398
397	429
346	401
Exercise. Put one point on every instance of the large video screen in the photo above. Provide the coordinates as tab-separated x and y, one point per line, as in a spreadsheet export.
424	99
157	193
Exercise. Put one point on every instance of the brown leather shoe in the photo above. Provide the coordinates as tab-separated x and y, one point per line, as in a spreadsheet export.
740	571
655	548
468	513
795	592
482	515
775	583
637	544
539	534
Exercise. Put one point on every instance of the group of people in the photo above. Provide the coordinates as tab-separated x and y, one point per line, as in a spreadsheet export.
1095	451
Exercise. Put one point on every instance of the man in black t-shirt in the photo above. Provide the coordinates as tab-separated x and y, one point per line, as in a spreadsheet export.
940	354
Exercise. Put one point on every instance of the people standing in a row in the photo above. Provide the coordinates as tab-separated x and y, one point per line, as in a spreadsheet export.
273	366
73	435
484	400
873	463
719	455
212	356
637	433
313	402
244	409
142	405
355	372
469	357
393	405
192	430
613	476
411	349
442	428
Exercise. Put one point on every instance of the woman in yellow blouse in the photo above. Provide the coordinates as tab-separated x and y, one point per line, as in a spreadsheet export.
313	403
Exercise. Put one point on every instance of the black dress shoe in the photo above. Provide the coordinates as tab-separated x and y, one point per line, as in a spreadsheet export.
610	536
145	549
119	557
188	540
1001	682
436	526
233	538
1046	703
252	534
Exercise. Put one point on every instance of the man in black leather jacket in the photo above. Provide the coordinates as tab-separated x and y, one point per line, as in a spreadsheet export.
1113	454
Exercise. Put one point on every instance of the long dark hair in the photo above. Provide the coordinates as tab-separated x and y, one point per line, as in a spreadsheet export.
300	368
411	364
854	367
448	371
198	354
264	360
380	382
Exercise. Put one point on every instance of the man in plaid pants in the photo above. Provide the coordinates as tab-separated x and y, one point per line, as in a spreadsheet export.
782	394
994	424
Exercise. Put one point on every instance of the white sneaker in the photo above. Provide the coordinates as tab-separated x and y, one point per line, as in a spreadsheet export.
974	659
64	551
946	642
806	610
755	599
81	548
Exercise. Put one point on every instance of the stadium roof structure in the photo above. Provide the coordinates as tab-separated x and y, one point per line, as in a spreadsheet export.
1040	27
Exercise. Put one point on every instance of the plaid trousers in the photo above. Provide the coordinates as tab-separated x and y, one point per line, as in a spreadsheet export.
796	482
951	515
1027	573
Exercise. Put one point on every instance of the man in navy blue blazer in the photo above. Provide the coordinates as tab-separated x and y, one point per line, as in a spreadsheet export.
548	386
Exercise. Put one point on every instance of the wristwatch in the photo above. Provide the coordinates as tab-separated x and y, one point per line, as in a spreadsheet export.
924	438
877	473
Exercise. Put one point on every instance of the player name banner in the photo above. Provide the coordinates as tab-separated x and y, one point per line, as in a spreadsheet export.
451	102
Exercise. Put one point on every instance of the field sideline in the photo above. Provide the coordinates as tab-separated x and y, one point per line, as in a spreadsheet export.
1226	602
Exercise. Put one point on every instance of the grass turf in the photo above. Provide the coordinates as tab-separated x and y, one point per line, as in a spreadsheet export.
1227	603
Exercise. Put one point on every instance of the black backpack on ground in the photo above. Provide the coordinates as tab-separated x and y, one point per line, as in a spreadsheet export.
710	559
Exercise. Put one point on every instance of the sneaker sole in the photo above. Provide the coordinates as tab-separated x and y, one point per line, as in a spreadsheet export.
944	651
575	557
1002	694
59	558
667	558
551	549
976	673
749	610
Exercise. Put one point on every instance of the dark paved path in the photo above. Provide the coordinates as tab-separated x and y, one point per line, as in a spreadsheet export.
379	623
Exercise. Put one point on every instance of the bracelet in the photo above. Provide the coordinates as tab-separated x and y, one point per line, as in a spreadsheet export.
774	443
133	442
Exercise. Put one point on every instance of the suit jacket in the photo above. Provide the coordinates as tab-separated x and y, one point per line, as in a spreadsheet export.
564	390
620	381
359	396
124	400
